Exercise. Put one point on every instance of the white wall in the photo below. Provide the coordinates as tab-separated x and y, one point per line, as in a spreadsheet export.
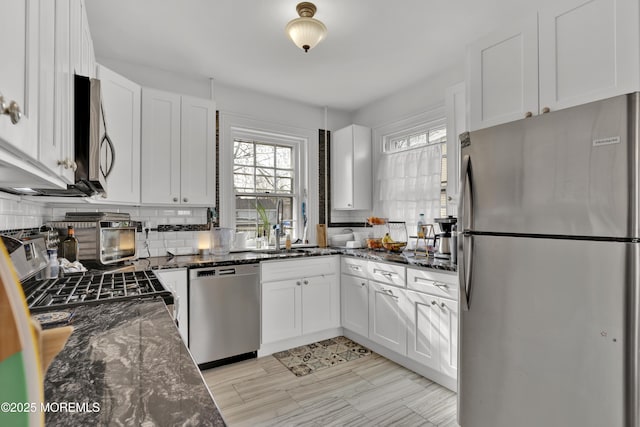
412	100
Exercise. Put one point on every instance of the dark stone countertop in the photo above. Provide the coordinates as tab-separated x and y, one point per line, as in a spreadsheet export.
248	257
129	358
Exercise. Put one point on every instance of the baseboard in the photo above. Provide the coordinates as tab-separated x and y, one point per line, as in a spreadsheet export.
425	371
270	348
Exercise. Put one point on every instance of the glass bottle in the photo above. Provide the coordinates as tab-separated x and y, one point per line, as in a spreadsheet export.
70	246
421	222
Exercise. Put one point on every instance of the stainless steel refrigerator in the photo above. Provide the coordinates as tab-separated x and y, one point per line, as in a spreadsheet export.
549	269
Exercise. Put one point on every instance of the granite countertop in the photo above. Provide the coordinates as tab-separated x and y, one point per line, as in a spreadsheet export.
128	358
249	257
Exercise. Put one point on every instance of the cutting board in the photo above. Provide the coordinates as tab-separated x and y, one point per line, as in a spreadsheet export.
321	232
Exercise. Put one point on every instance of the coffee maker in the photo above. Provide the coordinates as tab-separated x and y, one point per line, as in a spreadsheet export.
444	241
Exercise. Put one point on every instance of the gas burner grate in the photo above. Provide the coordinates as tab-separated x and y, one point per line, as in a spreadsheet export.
87	288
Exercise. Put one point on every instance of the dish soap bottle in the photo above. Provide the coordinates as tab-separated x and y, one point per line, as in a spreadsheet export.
287	243
70	245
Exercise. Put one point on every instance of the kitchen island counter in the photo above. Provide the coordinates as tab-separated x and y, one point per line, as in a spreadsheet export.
126	363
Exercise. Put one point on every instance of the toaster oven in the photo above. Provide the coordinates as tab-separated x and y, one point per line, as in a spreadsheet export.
103	237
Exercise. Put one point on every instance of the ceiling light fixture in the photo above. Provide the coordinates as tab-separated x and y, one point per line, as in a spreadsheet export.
305	31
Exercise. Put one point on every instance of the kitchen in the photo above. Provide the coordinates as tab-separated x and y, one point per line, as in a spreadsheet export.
159	79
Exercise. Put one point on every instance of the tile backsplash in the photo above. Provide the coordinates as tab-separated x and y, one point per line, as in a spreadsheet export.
16	213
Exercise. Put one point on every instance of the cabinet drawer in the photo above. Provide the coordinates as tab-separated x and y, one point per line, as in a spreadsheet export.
298	268
354	267
432	282
390	274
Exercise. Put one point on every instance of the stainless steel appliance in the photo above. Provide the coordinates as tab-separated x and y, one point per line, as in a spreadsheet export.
549	268
29	256
444	238
104	237
86	288
94	155
224	314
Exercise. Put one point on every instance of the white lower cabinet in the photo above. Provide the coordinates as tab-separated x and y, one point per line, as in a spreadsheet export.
387	325
175	280
433	331
354	300
299	297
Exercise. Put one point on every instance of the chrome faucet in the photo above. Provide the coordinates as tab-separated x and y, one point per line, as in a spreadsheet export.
278	226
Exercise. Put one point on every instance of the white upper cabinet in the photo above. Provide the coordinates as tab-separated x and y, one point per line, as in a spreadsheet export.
351	168
573	53
456	107
198	151
121	107
588	51
178	149
503	75
19	76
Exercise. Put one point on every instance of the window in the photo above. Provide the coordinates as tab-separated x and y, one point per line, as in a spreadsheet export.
263	173
429	157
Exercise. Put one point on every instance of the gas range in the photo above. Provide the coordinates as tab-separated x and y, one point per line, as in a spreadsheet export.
92	288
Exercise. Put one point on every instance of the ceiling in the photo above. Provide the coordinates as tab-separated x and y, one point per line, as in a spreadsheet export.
373	47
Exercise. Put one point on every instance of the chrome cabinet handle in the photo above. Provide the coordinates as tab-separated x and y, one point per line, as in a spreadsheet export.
13	110
433	303
354	267
175	199
74	166
441	285
298	283
363	284
305	281
443	305
185	200
67	164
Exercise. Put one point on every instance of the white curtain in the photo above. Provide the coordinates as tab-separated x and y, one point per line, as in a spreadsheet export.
408	185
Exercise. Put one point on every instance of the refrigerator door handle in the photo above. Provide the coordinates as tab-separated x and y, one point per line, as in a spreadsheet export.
465	275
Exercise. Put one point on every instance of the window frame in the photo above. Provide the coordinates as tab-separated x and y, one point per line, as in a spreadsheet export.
298	146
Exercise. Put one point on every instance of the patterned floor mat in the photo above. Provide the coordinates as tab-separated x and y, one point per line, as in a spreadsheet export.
310	358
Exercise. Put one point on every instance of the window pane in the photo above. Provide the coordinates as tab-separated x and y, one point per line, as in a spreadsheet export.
283	157
438	135
418	139
284	185
265	155
243	153
243	183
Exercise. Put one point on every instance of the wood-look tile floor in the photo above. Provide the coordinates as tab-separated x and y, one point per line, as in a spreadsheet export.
372	391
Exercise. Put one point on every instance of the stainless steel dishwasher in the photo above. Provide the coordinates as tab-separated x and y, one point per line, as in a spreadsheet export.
224	314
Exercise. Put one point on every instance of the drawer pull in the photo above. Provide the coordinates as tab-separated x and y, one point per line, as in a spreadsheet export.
355	267
363	284
384	273
441	285
433	303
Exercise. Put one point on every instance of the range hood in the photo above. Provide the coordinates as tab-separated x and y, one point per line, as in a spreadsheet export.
89	176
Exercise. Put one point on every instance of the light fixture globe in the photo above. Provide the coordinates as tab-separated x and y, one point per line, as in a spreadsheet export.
306	32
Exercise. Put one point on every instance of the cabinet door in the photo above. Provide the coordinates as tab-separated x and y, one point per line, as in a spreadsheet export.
503	75
588	51
281	310
50	150
320	303
198	151
423	314
361	169
86	45
342	168
387	324
354	300
63	97
448	336
121	105
19	74
455	99
176	282
160	147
